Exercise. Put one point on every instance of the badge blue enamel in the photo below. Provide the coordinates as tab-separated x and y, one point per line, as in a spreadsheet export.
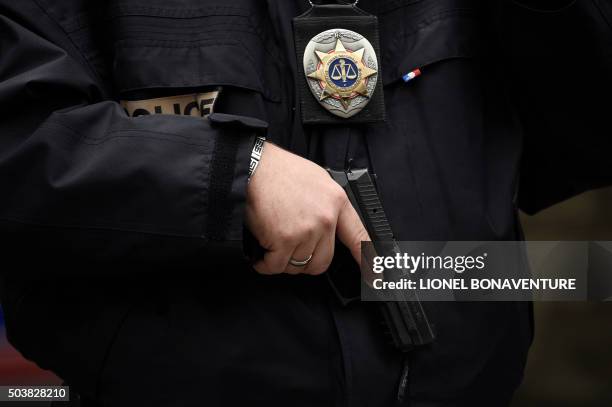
341	68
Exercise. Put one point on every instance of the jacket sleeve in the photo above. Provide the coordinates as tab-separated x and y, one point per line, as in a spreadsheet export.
79	178
560	74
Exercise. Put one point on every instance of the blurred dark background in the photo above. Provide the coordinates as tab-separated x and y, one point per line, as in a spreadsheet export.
570	363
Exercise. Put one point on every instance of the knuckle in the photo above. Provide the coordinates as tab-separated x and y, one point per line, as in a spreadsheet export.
287	237
294	240
361	236
338	195
267	243
323	172
327	220
308	229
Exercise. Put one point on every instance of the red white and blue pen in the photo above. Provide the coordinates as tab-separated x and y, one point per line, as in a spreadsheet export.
411	75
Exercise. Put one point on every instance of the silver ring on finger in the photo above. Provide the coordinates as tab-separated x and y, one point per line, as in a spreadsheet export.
300	263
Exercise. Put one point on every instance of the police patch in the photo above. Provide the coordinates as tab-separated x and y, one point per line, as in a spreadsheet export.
195	105
341	68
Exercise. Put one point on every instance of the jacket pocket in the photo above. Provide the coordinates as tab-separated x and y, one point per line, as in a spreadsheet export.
172	48
424	33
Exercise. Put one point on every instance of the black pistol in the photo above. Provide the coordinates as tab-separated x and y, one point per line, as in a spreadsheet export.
403	314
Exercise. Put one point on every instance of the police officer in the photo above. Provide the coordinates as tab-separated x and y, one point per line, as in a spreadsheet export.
126	218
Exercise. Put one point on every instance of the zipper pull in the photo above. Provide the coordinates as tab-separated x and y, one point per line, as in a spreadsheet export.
403	383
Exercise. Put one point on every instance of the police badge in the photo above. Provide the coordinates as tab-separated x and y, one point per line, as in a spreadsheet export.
342	79
339	66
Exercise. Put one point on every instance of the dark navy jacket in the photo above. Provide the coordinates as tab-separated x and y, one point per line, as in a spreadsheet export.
123	267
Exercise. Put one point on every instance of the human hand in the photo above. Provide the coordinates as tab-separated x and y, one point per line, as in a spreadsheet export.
295	210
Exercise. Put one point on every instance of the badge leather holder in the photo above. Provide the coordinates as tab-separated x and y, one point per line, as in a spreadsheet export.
338	51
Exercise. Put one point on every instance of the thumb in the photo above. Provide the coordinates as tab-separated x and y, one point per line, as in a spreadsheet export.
351	231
